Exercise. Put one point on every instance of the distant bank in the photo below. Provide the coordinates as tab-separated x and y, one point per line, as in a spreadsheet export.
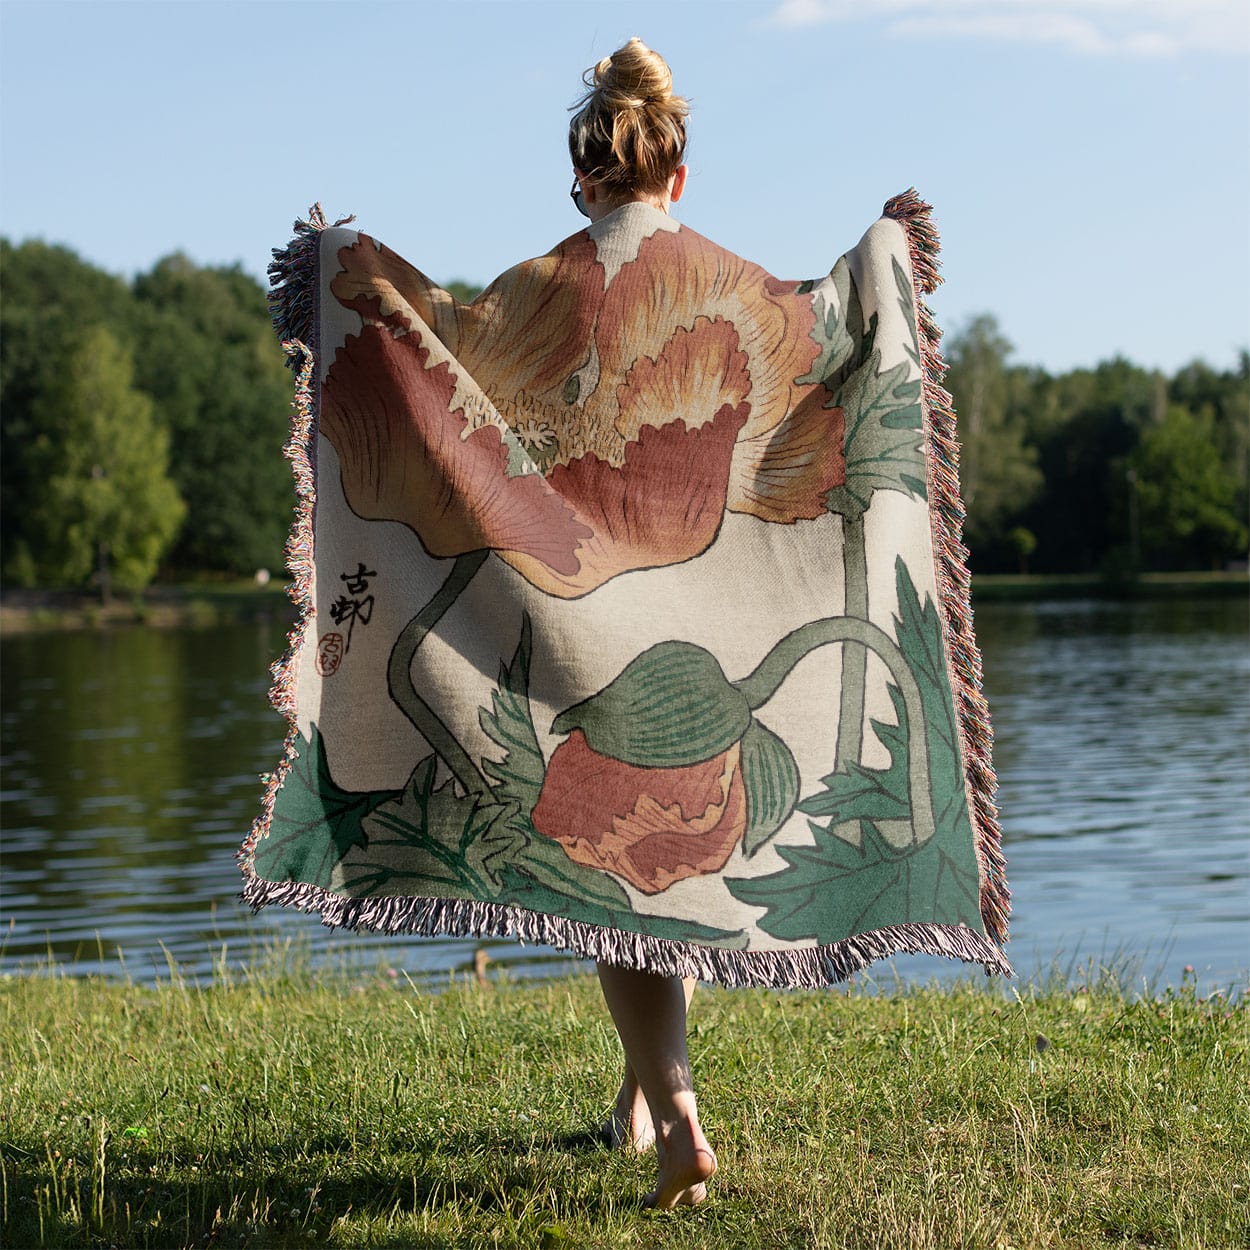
1003	587
168	606
214	603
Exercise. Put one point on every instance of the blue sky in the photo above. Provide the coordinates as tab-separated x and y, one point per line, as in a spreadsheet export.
1089	160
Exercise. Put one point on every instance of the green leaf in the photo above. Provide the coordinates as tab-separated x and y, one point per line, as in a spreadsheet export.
841	889
883	436
670	707
839	327
902	283
534	862
510	724
868	793
771	779
489	842
869	339
315	821
838	887
545	865
427	840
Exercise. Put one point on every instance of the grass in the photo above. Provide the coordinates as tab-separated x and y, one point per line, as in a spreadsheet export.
292	1109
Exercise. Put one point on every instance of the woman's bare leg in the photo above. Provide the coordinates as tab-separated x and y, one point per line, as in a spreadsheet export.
650	1015
629	1125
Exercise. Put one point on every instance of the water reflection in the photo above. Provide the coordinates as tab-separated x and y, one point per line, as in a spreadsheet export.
131	760
1122	733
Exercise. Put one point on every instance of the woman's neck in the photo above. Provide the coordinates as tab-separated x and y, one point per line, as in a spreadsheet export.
602	207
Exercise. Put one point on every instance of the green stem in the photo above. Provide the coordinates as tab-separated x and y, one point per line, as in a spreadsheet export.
399	675
854	659
760	686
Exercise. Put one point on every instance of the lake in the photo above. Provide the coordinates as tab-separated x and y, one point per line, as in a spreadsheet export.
130	775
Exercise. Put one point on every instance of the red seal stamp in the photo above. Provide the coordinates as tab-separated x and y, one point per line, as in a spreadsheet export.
330	653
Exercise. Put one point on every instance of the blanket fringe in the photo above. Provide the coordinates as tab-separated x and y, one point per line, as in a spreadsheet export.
954	581
294	277
808	968
293	281
299	561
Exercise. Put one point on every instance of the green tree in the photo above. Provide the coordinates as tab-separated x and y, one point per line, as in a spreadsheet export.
1186	495
1024	543
51	296
1223	399
998	468
1085	424
104	505
207	353
465	292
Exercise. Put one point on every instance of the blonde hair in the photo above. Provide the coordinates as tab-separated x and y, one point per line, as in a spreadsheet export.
629	132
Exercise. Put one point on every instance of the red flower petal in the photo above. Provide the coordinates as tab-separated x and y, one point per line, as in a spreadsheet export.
784	474
680	276
662	506
525	333
404	457
650	826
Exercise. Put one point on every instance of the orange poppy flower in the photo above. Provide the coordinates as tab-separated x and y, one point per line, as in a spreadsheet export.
650	826
580	427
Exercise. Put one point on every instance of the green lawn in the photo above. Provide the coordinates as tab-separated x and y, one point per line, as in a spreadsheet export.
293	1110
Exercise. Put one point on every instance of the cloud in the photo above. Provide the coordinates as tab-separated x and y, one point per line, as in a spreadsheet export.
1135	28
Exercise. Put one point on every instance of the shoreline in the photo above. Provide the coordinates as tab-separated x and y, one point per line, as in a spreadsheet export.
204	604
173	606
1035	587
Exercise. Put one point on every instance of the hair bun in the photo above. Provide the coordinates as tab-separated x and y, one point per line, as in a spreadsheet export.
634	76
630	129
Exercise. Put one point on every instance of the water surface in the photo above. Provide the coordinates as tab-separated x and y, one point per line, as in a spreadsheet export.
131	759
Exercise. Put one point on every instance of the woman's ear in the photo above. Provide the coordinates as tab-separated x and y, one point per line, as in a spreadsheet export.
588	186
678	185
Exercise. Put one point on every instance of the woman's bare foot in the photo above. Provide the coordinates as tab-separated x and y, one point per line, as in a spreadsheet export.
686	1165
649	1012
629	1125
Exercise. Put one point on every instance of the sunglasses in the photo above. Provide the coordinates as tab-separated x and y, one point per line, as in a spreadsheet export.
576	196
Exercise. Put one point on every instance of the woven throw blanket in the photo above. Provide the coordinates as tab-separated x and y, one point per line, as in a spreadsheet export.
633	612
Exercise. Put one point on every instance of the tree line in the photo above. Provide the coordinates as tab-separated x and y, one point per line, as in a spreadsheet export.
143	421
1113	470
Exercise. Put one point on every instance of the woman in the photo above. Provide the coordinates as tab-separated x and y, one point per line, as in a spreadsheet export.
628	141
634	614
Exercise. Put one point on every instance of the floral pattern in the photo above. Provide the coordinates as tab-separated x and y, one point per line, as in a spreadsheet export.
580	427
649	826
595	412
